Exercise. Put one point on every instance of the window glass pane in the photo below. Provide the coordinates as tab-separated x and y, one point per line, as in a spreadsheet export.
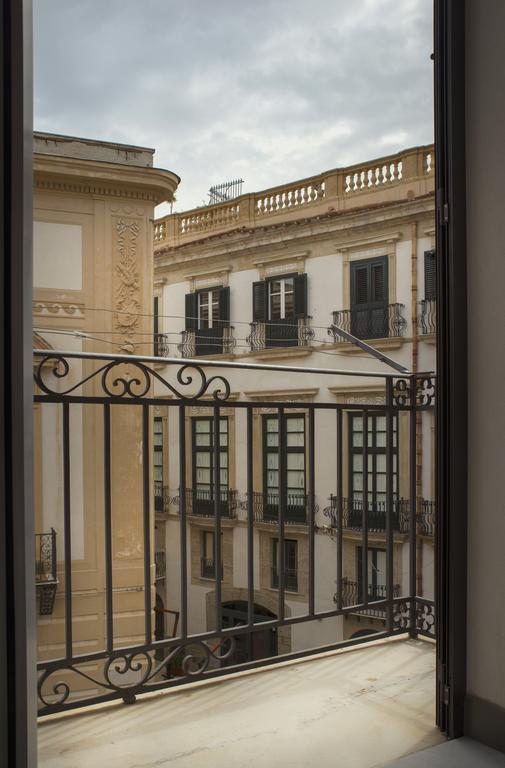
296	480
202	459
380	462
158	474
223	476
203	476
274	286
202	425
272	461
202	439
357	424
357	481
357	462
275	307
223	439
381	483
272	425
272	479
272	440
380	423
289	305
295	439
223	425
289	284
381	439
223	459
295	424
357	439
295	461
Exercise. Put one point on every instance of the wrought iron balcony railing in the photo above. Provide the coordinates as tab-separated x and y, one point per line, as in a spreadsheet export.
427	318
352	594
207	342
426	517
161	346
201	503
266	508
376	515
159	494
100	382
46	579
280	333
385	322
290	579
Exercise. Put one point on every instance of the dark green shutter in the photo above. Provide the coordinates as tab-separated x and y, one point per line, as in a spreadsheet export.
191	311
224	306
301	295
260	301
430	275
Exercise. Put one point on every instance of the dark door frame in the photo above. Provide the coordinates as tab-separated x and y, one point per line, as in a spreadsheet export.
18	745
451	408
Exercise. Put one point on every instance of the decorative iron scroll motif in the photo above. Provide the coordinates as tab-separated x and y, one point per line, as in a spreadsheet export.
401	615
126	674
424	391
425	617
128	380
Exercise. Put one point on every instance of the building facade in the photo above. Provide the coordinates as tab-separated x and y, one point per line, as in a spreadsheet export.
270	277
93	209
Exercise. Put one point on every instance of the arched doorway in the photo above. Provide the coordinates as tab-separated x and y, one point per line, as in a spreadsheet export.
249	646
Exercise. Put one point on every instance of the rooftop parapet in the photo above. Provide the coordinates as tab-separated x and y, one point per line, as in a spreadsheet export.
404	175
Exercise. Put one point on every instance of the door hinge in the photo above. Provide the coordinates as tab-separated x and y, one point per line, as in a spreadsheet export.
446	693
445	213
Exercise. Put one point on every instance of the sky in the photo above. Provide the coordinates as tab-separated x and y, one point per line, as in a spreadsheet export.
269	91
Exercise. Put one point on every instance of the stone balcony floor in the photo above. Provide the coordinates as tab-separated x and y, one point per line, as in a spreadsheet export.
359	708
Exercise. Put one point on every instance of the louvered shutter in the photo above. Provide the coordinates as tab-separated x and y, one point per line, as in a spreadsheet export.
378	288
259	301
191	311
224	306
430	275
359	284
300	289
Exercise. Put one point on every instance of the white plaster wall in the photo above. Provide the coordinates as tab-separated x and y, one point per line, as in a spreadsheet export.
57	255
324	284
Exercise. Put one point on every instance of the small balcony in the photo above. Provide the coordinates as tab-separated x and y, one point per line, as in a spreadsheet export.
159	494
161	347
387	322
208	568
376	515
352	595
46	580
266	508
207	342
201	503
427	317
292	332
426	517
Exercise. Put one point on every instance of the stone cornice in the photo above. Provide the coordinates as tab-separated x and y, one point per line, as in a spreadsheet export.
292	236
89	177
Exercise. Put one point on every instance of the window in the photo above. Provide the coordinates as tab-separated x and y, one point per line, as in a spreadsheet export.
208	555
290	565
207	315
294	446
369	298
430	275
279	302
376	573
203	465
158	462
377	474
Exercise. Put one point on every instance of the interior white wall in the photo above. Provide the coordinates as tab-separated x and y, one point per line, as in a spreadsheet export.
485	151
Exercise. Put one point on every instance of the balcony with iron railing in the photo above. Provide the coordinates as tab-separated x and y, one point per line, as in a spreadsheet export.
354	514
46	580
207	342
208	568
427	317
352	594
359	185
292	332
161	346
203	644
266	508
385	322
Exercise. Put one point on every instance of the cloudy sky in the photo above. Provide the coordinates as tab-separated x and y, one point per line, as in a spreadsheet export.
265	90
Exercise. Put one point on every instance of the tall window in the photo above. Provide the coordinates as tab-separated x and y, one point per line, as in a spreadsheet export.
158	462
207	314
290	564
203	464
369	298
376	586
294	447
279	302
377	470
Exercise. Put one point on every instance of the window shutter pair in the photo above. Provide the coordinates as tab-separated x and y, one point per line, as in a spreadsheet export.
191	310
430	275
369	283
260	298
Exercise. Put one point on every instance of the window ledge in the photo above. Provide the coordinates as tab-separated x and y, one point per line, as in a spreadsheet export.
279	353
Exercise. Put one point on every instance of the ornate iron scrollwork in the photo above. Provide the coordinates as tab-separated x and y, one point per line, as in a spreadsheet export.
424	391
133	383
138	668
425	617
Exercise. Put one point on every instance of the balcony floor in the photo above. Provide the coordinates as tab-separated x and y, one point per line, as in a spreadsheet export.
359	708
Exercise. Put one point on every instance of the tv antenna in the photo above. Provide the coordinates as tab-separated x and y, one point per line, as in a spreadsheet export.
228	190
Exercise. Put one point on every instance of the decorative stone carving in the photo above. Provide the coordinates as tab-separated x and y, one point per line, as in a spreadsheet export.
127	283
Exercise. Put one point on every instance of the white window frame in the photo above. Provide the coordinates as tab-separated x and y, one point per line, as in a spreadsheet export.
282	293
209	303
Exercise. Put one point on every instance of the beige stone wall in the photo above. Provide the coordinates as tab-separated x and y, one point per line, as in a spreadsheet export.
93	277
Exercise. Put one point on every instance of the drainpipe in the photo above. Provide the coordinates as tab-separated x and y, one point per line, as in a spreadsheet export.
419	425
